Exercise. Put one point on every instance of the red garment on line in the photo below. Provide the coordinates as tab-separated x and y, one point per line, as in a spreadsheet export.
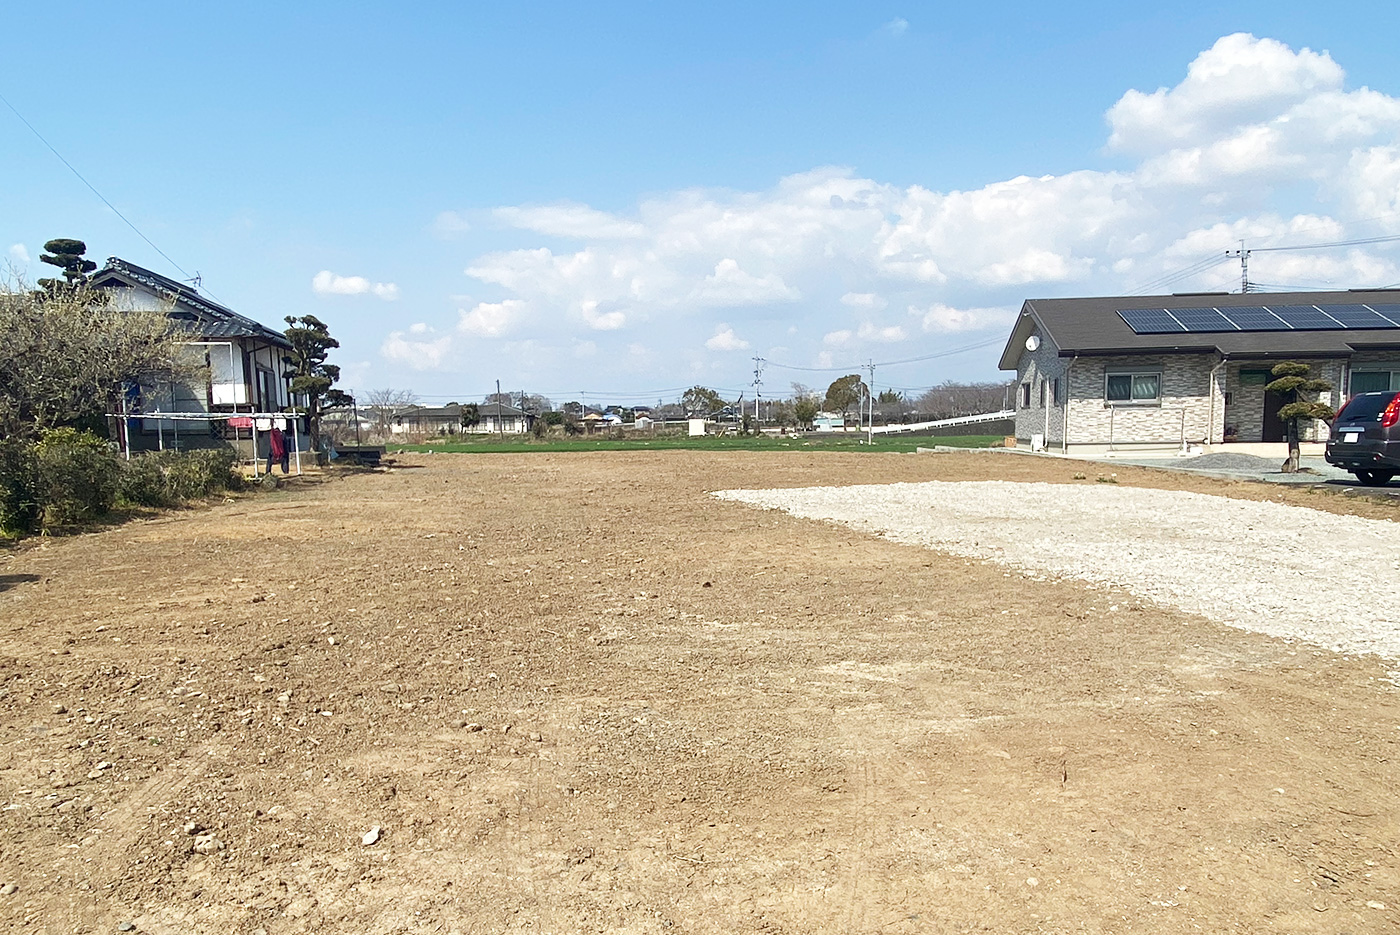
278	443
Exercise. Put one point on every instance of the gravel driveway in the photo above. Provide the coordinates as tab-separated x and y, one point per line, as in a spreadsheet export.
1282	570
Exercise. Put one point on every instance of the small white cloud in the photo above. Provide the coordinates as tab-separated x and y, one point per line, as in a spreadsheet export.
601	321
868	301
419	328
424	354
896	27
887	335
449	224
492	319
940	317
19	256
327	283
725	339
837	338
731	285
570	220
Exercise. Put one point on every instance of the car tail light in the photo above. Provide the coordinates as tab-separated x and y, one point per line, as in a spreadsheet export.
1392	413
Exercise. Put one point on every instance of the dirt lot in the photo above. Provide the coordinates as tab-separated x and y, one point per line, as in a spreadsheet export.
577	694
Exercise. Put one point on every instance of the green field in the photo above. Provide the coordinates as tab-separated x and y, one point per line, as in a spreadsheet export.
902	444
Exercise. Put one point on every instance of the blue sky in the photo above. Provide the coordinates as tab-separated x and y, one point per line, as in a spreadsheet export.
627	199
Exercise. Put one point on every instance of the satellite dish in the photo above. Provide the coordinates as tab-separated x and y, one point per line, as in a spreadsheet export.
1033	343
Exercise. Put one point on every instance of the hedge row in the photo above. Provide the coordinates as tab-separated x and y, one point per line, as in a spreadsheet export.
71	477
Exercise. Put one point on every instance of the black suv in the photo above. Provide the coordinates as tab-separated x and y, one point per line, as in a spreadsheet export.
1365	437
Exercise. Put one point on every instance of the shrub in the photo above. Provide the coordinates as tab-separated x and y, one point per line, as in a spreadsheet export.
169	478
78	474
20	499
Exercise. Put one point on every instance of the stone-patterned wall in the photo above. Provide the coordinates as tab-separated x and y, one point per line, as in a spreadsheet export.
1246	409
1041	366
1186	387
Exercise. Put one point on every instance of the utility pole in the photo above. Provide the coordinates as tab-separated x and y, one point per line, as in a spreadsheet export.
1243	256
870	392
757	389
500	416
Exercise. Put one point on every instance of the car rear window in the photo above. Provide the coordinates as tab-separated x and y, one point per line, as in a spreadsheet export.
1367	407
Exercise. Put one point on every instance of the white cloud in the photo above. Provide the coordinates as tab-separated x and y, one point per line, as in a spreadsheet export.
867	301
422	351
880	335
896	27
730	286
1238	82
942	318
491	319
327	283
1257	141
449	224
725	339
19	255
570	220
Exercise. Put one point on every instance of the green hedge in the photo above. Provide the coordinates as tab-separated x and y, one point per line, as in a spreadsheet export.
71	477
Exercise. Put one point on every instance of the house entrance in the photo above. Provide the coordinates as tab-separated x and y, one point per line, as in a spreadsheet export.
1274	430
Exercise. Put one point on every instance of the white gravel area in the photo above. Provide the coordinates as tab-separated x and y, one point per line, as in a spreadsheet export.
1282	570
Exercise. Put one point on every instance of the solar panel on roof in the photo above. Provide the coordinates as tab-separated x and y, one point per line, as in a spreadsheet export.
1150	321
1254	318
1306	317
1203	319
1391	312
1356	316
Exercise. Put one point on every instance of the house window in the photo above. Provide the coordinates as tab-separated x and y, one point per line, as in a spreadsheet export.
1025	395
1374	381
1058	398
1132	387
1044	385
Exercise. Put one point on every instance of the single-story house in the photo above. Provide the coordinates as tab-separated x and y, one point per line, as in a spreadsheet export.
247	365
1190	369
502	418
427	420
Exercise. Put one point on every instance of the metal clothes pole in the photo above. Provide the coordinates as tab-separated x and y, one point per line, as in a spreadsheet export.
160	434
255	446
296	441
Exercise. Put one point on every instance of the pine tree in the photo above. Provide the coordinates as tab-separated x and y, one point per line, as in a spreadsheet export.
313	377
1291	382
67	255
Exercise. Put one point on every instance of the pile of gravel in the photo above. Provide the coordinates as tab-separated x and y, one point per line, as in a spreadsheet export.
1282	570
1225	461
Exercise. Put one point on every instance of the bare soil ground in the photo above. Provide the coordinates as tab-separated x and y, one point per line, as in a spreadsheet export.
693	717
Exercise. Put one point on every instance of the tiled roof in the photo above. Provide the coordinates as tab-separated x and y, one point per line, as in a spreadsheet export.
214	320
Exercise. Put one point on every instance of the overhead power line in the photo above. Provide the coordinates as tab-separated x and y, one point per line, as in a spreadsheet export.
91	187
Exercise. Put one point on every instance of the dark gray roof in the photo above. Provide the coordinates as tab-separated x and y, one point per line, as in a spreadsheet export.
1092	327
450	411
210	320
498	410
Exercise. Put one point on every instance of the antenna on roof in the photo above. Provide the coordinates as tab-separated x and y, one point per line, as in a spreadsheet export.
196	280
1243	256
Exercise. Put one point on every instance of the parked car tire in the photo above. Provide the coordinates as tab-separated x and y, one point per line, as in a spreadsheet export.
1374	478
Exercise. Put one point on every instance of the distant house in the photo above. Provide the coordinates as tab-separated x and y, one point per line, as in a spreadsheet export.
502	418
248	367
427	420
1186	370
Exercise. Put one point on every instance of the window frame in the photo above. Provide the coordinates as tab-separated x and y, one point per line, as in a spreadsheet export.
1132	376
1394	381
